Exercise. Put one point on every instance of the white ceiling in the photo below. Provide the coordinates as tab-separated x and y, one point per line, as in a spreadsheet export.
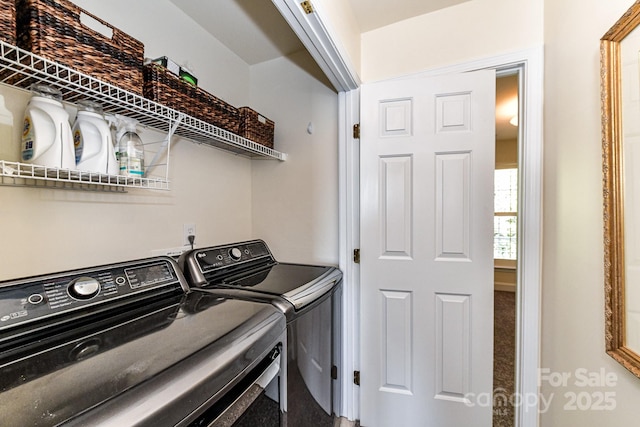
253	29
256	32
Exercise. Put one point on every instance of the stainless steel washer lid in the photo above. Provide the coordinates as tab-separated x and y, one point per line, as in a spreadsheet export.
154	378
299	284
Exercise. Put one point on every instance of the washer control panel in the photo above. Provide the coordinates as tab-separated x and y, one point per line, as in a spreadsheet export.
44	296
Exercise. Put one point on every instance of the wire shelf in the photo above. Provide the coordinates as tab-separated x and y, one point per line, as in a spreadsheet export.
21	68
24	174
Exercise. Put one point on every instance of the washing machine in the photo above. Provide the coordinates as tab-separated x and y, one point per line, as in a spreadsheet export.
308	295
129	344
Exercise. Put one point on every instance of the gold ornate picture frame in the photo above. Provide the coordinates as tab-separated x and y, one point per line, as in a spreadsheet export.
613	179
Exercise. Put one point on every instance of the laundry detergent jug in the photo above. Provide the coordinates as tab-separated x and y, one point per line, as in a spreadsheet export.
8	145
92	140
130	151
46	132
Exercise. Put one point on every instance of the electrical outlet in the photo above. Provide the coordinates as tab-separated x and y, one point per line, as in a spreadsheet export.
188	230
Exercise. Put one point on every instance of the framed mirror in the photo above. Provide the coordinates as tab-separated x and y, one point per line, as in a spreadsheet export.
620	102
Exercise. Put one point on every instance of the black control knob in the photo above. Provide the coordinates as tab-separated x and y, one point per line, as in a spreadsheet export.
235	254
84	288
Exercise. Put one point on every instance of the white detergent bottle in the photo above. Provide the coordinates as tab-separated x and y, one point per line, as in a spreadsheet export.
8	145
93	141
130	150
46	133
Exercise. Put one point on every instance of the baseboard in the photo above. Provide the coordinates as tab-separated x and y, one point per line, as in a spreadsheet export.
502	286
343	422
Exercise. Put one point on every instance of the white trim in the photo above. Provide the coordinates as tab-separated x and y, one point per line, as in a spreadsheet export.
343	422
530	231
530	63
506	165
349	238
505	264
503	286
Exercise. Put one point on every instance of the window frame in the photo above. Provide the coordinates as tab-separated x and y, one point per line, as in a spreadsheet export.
505	263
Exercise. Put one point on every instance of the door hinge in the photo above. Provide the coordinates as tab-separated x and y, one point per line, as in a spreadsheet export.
356	377
356	256
334	372
307	7
356	131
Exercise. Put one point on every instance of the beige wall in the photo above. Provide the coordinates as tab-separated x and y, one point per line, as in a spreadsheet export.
573	292
344	25
459	33
295	204
506	153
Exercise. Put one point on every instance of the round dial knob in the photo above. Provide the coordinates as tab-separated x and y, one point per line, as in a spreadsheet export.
35	299
84	288
235	253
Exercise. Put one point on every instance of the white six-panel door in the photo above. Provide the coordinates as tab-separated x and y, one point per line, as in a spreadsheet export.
427	161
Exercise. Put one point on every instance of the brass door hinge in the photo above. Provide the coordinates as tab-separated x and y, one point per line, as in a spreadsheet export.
334	372
356	377
307	7
356	131
356	256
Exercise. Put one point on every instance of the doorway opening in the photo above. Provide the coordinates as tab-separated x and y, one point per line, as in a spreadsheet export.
505	252
528	64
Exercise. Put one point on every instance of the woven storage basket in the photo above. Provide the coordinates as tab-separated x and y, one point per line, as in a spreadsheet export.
8	21
256	127
166	88
52	29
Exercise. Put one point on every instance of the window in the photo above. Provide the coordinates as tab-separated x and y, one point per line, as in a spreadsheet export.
505	220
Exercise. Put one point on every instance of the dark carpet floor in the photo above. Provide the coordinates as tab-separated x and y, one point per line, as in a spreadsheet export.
504	346
304	411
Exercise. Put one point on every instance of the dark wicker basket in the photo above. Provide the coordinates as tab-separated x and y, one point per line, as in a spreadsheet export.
52	29
166	88
8	21
256	127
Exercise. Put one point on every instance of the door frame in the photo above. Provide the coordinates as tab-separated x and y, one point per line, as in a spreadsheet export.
314	32
529	64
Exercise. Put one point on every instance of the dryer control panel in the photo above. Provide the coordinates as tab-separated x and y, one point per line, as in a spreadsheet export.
224	256
40	297
209	264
